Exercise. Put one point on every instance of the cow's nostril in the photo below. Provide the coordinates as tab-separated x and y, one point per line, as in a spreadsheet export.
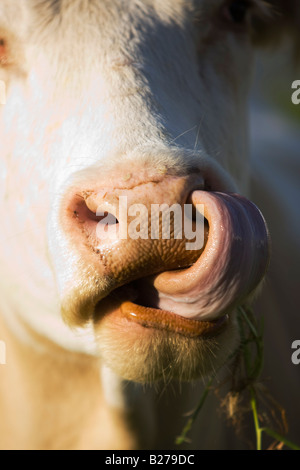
106	219
102	213
84	214
92	220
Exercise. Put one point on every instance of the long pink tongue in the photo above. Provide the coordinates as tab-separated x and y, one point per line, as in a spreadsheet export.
231	266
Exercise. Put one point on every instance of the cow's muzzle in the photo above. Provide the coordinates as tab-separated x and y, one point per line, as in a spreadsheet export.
165	254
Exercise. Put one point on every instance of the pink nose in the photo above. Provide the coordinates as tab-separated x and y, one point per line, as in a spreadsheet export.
144	260
124	231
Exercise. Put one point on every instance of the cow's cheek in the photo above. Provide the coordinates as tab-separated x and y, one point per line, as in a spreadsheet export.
24	213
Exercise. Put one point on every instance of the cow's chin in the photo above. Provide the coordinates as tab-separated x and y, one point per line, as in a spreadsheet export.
147	354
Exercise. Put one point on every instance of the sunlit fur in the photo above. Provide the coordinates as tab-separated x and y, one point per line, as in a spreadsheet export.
151	356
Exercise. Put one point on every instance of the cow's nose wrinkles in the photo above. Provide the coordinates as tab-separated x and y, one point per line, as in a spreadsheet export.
141	231
124	234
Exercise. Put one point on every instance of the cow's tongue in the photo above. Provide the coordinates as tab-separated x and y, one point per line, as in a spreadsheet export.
231	266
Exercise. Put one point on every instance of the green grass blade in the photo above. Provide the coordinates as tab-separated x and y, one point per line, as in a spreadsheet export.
280	438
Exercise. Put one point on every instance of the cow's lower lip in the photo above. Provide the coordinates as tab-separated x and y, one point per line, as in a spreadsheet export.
171	322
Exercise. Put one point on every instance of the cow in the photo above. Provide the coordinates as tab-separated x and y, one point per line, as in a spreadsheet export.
143	101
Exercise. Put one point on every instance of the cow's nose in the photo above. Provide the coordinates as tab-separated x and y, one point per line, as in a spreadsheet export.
138	231
131	243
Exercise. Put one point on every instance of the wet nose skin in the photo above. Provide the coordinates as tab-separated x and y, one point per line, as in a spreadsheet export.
130	258
121	259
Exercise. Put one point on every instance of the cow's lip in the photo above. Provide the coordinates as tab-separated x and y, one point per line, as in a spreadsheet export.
170	322
126	304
